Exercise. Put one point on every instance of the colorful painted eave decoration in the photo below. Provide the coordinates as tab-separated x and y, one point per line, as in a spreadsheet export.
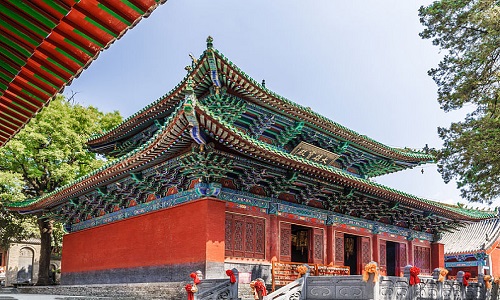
235	79
240	141
174	132
44	44
163	141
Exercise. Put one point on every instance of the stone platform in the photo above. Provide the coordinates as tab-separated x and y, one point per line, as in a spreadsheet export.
149	291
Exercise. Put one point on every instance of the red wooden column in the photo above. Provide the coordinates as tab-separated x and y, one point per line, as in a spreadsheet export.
376	249
273	238
330	249
437	255
410	253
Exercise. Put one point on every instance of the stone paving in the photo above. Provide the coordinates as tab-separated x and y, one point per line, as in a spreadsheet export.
13	294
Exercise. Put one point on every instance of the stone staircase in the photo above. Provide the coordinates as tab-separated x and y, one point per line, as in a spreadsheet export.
245	292
8	291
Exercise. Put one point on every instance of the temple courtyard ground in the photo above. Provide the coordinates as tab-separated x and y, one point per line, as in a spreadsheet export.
13	294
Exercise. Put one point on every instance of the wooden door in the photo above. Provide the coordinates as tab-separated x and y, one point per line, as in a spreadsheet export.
285	241
403	260
317	246
383	256
366	252
339	248
238	238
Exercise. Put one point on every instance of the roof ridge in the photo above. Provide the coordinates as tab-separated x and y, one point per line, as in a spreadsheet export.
400	151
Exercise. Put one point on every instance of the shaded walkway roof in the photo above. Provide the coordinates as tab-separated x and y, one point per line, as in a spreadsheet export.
45	44
473	238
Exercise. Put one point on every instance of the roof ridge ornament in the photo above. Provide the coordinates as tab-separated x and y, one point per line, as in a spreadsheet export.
194	60
189	110
189	81
210	40
212	64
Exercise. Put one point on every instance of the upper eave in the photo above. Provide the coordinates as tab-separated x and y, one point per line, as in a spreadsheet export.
238	81
44	45
244	84
242	142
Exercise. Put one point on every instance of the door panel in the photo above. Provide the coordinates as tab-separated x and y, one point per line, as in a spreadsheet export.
285	241
317	246
339	248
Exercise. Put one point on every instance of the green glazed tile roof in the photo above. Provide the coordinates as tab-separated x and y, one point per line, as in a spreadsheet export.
307	111
265	149
246	142
466	212
270	98
108	165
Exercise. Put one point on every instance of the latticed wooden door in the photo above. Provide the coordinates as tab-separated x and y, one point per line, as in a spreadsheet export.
285	241
245	236
339	248
383	256
403	260
366	252
317	253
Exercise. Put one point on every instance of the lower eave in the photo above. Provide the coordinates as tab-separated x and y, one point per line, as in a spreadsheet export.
159	146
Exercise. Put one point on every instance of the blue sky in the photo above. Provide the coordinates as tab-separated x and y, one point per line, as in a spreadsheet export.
359	63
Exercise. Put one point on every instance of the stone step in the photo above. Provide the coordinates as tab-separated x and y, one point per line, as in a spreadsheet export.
8	291
245	292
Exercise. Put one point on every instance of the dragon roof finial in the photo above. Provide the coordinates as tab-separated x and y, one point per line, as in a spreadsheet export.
210	42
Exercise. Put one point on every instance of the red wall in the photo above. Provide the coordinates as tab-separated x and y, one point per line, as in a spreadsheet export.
437	256
192	232
495	261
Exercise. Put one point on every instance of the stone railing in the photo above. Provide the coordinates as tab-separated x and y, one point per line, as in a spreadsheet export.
291	291
392	288
353	287
218	289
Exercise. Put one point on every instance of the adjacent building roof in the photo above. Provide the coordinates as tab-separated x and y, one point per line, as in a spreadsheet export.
482	236
45	44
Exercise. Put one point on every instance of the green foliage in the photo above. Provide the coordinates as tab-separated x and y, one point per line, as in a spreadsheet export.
13	226
46	154
468	31
11	187
50	151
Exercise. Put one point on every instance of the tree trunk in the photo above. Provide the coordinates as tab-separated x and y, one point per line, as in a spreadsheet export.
45	227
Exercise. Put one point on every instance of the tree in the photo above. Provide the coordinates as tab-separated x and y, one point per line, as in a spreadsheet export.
13	227
468	32
50	152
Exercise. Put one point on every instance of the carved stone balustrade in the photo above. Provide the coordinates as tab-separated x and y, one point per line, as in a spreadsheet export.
218	289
